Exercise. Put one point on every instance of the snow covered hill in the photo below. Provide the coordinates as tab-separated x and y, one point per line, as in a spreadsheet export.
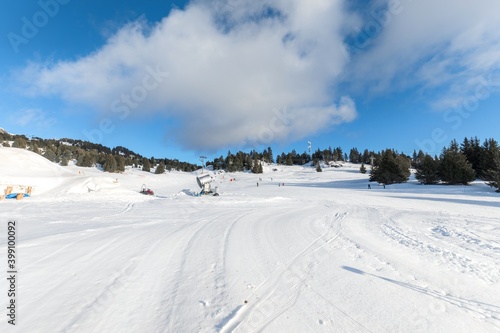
301	252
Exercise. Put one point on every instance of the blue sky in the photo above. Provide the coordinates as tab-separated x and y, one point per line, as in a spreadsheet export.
179	79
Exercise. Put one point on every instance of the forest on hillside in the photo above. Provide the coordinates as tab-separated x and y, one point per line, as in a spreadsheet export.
457	163
88	154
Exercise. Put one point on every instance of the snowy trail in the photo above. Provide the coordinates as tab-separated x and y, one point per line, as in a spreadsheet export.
193	271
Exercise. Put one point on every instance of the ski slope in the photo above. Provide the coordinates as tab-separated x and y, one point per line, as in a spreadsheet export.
321	253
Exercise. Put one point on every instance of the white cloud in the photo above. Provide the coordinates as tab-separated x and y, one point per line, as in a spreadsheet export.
435	45
32	118
229	66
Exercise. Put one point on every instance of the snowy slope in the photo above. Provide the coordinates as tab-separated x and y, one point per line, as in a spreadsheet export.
320	254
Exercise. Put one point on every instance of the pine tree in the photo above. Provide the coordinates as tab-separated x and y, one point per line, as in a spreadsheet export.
354	156
19	142
160	168
454	166
34	148
261	169
362	169
51	155
146	165
472	150
85	160
391	169
255	166
489	151
120	163
493	174
366	157
65	157
427	170
109	164
64	160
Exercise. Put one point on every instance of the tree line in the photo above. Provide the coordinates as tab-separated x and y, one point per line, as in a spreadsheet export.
461	164
457	163
88	154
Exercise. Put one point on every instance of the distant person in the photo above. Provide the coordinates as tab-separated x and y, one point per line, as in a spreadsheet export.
384	186
257	184
369	186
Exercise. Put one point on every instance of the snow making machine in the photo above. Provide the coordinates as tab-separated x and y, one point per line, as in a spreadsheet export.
204	183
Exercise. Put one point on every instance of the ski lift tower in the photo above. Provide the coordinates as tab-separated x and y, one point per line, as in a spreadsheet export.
202	159
309	147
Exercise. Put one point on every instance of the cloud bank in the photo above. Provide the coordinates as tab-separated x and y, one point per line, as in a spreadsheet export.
440	47
228	73
236	72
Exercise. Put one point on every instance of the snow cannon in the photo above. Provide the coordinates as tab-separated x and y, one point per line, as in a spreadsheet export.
204	183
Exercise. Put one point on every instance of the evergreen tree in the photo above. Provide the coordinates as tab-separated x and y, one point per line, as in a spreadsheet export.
249	164
417	158
338	154
65	157
51	156
489	151
120	163
472	150
427	170
109	164
19	142
366	157
160	168
255	166
34	148
146	165
354	156
64	160
390	170
494	173
85	160
362	169
454	166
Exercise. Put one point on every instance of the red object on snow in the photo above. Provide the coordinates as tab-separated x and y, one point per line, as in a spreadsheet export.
146	191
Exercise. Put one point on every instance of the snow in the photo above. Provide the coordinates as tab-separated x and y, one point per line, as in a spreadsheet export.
320	254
